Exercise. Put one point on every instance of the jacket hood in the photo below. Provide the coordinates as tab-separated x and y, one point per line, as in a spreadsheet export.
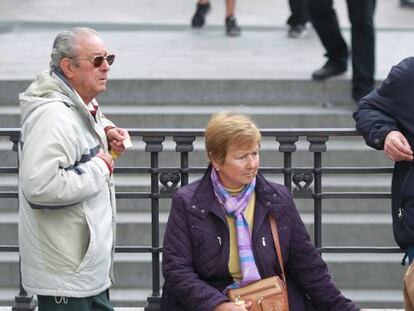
46	88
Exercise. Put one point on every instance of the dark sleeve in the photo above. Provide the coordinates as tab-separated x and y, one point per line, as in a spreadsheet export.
387	108
310	272
180	278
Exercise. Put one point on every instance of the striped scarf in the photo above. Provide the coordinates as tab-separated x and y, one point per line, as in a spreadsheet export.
234	207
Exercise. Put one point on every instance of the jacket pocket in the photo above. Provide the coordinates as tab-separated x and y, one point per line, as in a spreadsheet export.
207	247
65	237
89	251
405	214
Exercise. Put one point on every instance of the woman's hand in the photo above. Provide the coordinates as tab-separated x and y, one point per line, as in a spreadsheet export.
232	306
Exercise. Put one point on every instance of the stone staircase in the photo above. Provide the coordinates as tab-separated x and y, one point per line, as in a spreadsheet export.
371	280
168	76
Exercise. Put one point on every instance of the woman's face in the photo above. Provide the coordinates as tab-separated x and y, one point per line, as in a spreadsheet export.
240	165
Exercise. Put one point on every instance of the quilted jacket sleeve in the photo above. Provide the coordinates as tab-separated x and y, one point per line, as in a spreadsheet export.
180	278
387	107
309	270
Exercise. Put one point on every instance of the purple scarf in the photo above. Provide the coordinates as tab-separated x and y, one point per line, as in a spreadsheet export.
234	207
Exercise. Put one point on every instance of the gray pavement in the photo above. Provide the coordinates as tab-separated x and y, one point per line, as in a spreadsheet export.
152	38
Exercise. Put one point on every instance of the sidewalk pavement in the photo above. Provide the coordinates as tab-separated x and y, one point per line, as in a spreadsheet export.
152	39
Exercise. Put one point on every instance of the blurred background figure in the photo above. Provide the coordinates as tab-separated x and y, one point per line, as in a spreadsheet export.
325	22
407	4
298	18
204	6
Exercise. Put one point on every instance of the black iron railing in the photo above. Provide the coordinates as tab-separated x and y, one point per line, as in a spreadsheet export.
304	182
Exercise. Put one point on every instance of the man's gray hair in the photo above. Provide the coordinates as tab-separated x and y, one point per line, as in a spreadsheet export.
65	45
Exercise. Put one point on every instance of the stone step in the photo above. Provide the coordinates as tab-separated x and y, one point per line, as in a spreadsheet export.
124	299
367	230
338	184
132	299
338	206
340	152
374	274
282	91
362	271
197	117
216	91
369	298
330	182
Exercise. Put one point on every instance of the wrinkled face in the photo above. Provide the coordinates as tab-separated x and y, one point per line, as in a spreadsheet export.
88	80
240	166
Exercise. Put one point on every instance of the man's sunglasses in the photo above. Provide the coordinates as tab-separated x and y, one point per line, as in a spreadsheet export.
97	61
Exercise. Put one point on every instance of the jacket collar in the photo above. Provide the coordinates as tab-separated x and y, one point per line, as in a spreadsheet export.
204	200
268	199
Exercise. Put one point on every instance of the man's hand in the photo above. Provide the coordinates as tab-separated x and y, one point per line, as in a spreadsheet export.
116	137
397	148
107	158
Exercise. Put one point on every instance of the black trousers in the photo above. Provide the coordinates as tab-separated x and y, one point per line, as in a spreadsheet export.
99	302
299	12
361	16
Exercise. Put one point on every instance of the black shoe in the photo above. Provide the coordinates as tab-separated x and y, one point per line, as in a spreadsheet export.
232	29
328	70
199	17
297	31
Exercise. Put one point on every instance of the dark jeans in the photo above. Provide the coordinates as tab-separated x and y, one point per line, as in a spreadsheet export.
94	303
299	12
410	253
361	16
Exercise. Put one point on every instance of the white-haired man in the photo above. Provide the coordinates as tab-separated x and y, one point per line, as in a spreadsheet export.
66	195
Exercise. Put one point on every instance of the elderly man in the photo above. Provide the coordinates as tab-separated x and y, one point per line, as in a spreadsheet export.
67	202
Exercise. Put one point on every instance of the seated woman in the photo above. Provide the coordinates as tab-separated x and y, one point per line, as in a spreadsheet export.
202	251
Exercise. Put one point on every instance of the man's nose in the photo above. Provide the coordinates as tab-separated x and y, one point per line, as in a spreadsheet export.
105	66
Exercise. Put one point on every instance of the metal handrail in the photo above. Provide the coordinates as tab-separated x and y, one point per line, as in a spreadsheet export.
184	139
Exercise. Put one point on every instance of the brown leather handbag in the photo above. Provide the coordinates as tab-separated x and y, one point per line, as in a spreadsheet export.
269	294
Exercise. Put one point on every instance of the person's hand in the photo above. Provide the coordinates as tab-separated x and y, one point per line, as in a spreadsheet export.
107	158
232	306
397	148
116	137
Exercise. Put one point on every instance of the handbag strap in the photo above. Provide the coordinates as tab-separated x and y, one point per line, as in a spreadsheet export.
275	234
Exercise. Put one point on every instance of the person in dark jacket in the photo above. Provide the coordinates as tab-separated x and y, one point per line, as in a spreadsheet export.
205	253
385	118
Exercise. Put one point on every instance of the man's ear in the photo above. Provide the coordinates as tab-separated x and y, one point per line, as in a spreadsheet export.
67	67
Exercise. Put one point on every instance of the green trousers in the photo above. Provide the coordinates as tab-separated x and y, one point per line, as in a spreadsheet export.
94	303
